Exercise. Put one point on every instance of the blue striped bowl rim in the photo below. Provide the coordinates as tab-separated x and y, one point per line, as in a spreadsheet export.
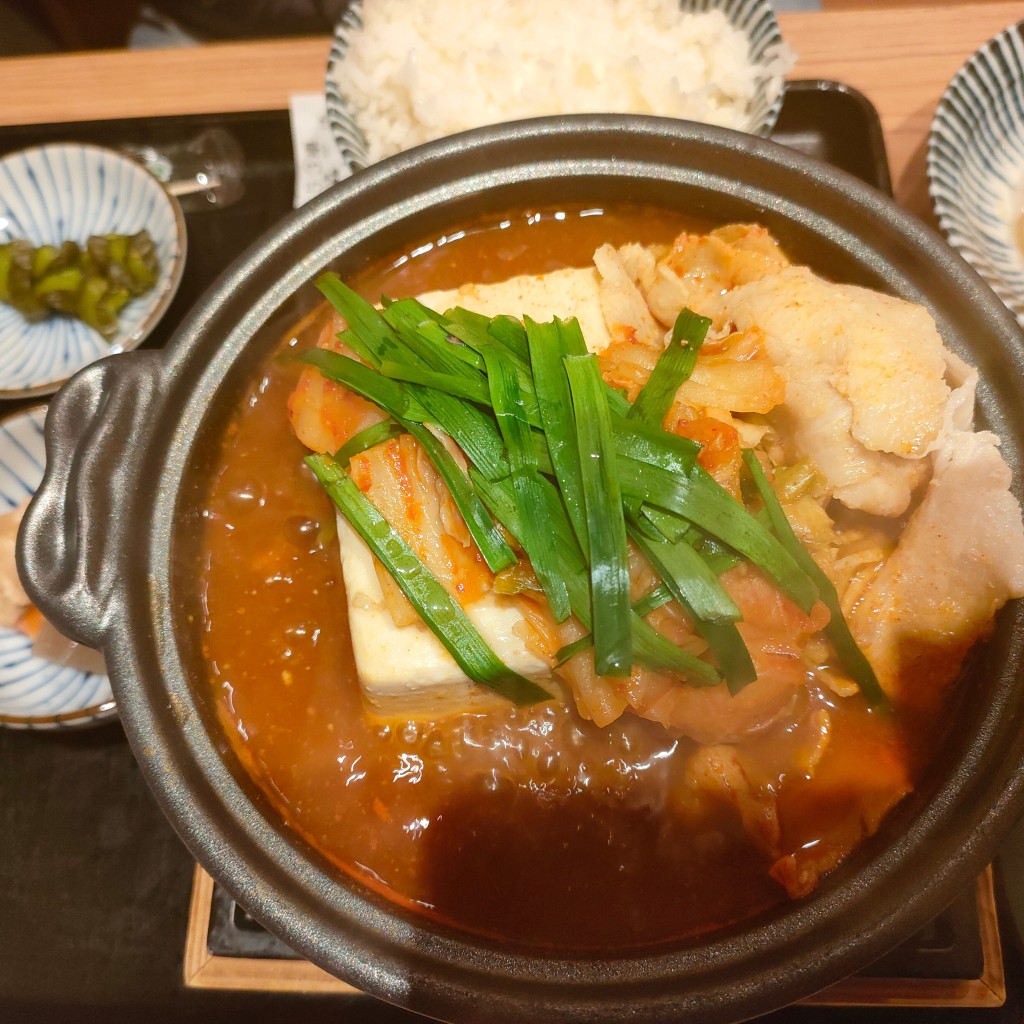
68	191
755	18
36	693
976	163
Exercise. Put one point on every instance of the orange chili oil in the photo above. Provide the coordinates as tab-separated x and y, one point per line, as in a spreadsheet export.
528	825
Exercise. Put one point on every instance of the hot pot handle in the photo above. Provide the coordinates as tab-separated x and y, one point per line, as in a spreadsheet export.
69	552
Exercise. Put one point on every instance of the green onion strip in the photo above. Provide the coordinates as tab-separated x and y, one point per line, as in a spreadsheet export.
368	438
672	369
493	546
434	605
687	575
659	596
548	344
606	526
449	383
696	587
650	649
420	329
702	501
653	600
507	400
851	657
391	397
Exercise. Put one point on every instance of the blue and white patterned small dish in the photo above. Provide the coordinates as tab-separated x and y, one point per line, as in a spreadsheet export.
754	18
976	164
67	192
36	693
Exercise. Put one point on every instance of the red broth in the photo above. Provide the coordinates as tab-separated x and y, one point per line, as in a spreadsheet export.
531	826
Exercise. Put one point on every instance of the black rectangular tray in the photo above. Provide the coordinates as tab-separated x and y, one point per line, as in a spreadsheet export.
94	884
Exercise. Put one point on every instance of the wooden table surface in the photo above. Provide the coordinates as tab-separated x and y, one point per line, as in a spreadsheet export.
900	57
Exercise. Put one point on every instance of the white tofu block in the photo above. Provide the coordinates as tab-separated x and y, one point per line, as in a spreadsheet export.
563	293
405	669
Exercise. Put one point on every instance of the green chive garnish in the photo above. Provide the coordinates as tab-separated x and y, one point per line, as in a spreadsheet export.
650	648
507	399
851	657
730	651
493	546
390	395
606	526
659	596
393	398
548	344
441	613
672	369
702	501
368	438
450	384
695	586
654	651
420	329
375	336
473	430
687	575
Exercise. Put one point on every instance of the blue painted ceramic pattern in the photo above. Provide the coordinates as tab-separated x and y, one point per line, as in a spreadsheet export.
755	18
63	192
976	163
35	693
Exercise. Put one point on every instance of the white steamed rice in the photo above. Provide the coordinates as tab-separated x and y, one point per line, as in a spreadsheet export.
416	70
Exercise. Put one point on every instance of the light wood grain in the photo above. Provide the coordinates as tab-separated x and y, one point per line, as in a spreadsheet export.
987	990
900	57
144	83
201	969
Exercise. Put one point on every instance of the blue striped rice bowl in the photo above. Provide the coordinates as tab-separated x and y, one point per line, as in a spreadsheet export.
976	164
67	192
36	693
754	18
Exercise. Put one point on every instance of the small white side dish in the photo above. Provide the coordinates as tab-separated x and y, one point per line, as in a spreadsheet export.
67	192
976	164
36	693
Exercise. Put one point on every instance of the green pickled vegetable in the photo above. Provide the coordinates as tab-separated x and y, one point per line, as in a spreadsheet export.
6	258
141	263
59	290
93	282
89	297
41	260
20	291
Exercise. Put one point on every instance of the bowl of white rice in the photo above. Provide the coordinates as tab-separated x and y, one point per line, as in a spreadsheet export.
406	72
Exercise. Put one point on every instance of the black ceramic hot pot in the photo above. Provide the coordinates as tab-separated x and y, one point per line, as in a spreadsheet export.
127	442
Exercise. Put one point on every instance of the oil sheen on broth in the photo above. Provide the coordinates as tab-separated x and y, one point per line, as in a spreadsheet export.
529	825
